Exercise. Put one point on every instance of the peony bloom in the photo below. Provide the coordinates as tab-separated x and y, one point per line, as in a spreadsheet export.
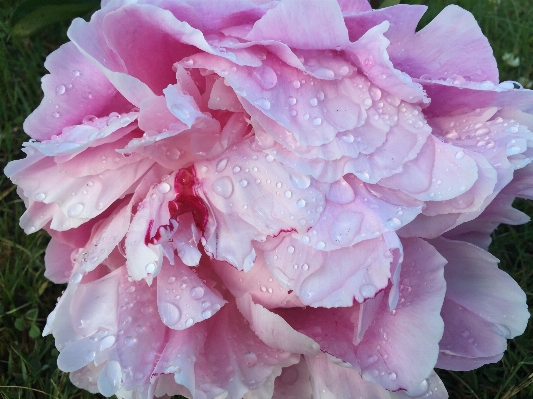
276	199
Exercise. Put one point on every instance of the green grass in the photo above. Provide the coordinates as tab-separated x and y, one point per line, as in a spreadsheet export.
28	361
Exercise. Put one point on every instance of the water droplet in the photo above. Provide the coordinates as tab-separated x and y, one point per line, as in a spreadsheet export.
223	187
375	93
60	90
76	277
305	239
90	356
293	112
513	150
392	376
179	111
129	341
305	267
263	103
163	188
250	359
196	292
419	391
459	155
75	73
313	101
55	114
292	100
300	203
189	322
512	129
106	342
150	268
243	183
320	245
394	223
344	70
367	102
367	290
296	84
170	313
188	62
171	280
266	77
324	73
364	176
206	314
317	121
39	196
300	181
290	249
75	210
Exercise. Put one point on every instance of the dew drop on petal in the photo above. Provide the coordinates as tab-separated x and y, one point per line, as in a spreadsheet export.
263	103
196	292
75	210
163	188
150	268
223	187
300	203
460	155
170	313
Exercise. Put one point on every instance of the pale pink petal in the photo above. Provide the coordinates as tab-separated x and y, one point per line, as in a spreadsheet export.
182	298
66	97
369	53
246	186
356	211
293	383
350	7
224	98
323	278
465	53
453	171
258	282
293	23
402	18
330	380
405	341
58	262
431	386
273	330
483	307
236	365
155	115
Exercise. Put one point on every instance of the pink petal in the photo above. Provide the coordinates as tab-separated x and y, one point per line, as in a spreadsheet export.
183	299
288	24
483	307
330	380
70	74
369	53
57	261
237	186
405	341
428	57
294	382
354	6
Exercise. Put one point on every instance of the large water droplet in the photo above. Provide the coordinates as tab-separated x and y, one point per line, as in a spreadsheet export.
324	73
170	313
459	155
394	223
223	187
300	181
196	292
320	245
106	342
243	183
250	359
263	103
221	165
419	391
39	196
300	203
75	210
150	268
179	111
163	188
265	76
60	90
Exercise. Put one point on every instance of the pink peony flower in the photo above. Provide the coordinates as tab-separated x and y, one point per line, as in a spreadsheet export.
264	199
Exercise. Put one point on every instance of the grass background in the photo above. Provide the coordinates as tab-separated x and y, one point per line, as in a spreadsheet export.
28	361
